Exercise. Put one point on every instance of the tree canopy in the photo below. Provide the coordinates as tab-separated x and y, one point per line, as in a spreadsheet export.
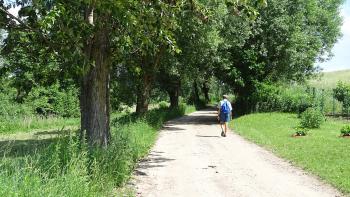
129	48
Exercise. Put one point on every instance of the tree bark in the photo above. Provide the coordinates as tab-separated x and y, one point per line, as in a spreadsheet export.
150	65
143	94
205	89
174	92
196	93
94	91
174	98
94	100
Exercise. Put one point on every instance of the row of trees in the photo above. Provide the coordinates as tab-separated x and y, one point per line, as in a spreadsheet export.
126	48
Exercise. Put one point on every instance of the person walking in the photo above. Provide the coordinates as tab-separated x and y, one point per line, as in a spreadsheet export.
224	114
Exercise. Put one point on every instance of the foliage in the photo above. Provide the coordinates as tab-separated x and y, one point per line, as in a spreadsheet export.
54	101
43	108
301	131
342	94
242	43
44	101
282	44
345	130
282	98
10	109
312	118
163	104
322	154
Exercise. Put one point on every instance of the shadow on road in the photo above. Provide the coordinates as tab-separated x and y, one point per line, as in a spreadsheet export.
154	160
215	136
196	120
172	128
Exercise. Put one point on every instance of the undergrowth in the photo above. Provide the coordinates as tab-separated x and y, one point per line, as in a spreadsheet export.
33	122
65	166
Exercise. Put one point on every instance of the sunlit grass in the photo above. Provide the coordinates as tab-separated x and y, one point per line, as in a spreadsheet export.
329	80
31	123
65	166
322	152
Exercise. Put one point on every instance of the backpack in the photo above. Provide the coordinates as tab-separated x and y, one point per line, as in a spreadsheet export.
225	108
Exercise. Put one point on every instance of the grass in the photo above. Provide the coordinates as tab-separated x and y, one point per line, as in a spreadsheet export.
32	123
66	167
328	80
322	152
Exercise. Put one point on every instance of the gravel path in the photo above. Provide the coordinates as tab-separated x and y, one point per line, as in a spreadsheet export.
191	159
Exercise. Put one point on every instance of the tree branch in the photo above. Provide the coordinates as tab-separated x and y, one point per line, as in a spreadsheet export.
40	33
16	18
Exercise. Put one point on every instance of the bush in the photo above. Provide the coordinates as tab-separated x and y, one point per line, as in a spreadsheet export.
342	94
345	130
163	105
281	98
10	109
312	118
54	101
301	131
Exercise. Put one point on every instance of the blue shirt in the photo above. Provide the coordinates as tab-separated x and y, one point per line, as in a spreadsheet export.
228	103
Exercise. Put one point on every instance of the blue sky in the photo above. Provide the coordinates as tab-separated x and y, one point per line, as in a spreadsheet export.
341	50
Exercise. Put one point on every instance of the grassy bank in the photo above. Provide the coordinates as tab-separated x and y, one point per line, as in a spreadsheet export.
328	80
323	152
32	123
64	166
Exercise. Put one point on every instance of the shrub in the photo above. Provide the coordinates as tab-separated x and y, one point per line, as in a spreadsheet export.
54	101
345	130
301	131
163	105
10	109
282	98
342	94
312	118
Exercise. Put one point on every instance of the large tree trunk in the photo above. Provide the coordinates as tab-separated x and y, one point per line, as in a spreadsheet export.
94	91
196	93
173	92
205	89
94	101
150	66
143	94
174	98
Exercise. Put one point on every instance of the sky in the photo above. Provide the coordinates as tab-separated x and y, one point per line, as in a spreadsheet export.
341	50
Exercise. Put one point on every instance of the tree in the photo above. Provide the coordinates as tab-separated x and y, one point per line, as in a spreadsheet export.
342	94
280	44
84	40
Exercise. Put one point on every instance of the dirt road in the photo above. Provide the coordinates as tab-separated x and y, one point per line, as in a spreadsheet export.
190	158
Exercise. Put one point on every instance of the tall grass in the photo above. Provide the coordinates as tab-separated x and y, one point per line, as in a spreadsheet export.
29	123
329	80
66	167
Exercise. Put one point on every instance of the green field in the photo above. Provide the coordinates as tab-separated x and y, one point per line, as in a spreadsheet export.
322	152
328	80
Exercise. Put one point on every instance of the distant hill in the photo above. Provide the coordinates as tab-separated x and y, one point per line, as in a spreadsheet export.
328	80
